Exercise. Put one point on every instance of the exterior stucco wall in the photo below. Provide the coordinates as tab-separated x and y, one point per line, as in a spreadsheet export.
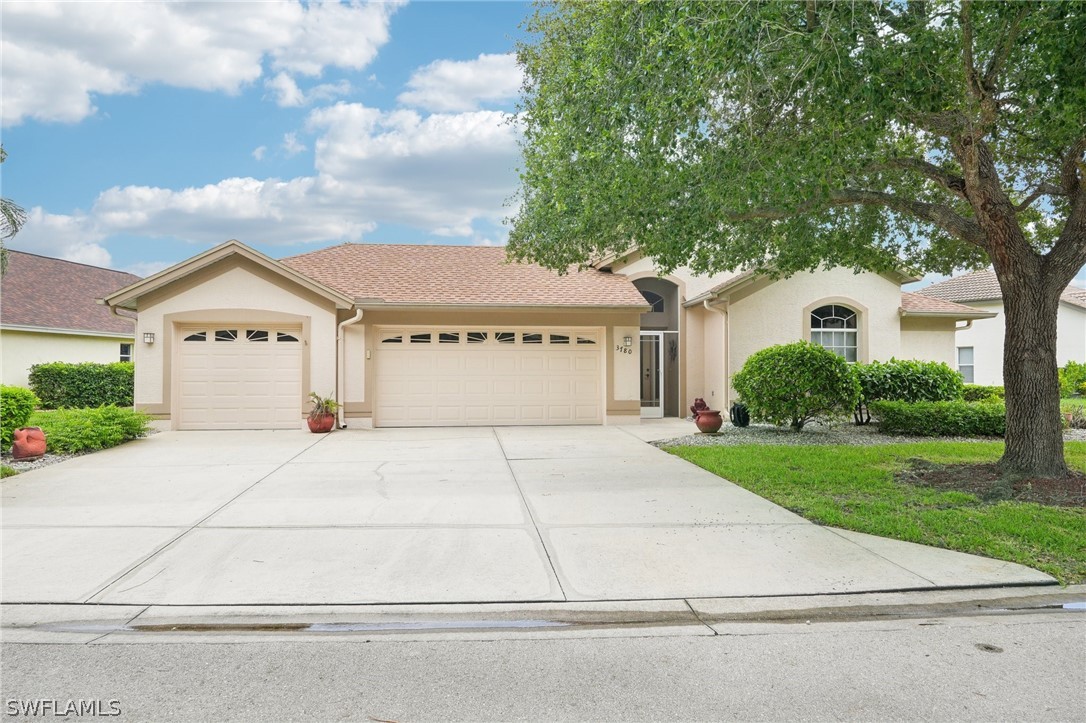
235	290
986	338
774	313
19	350
693	284
928	339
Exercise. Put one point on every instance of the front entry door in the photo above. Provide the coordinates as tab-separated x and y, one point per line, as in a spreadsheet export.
652	374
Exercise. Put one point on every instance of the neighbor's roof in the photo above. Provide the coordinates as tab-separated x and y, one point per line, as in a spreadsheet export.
984	286
1075	296
47	293
917	305
457	275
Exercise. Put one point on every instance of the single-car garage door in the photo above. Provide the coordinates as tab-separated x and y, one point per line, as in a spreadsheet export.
240	376
488	376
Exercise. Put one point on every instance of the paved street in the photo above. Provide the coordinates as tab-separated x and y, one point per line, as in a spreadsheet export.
509	514
1009	667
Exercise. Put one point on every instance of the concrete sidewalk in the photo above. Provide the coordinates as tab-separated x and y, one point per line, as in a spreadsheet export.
467	515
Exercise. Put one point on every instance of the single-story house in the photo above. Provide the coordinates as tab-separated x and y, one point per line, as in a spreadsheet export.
407	335
49	313
980	345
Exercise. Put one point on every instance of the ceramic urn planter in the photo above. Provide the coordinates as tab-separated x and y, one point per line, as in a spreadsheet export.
709	420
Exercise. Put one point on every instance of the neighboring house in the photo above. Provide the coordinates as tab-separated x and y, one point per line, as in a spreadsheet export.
49	312
457	335
980	345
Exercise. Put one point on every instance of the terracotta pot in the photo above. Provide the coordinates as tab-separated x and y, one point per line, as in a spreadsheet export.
709	420
322	424
29	444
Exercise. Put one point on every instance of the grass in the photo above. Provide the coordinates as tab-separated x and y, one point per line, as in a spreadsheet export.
1069	403
6	471
853	487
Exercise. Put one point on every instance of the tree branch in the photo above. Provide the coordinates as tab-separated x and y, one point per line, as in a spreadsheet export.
942	216
951	182
1044	189
1069	170
1003	49
969	66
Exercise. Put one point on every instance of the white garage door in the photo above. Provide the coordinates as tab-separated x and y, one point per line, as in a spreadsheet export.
240	376
488	376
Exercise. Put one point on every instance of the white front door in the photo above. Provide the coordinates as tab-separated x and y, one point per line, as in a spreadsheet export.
652	374
445	376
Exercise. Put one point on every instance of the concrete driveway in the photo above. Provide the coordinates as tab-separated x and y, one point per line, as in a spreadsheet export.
508	514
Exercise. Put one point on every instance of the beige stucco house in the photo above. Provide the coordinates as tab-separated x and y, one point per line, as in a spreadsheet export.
457	335
49	313
979	346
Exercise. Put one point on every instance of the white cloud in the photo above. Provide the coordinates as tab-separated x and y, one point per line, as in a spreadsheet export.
289	95
259	151
291	145
75	237
58	55
454	85
445	174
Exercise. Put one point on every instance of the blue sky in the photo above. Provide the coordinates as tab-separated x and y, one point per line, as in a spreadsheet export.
139	134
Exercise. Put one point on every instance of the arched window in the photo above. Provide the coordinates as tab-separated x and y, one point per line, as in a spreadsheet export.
834	327
655	300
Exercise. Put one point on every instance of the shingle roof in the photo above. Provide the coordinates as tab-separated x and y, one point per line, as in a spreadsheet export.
474	275
984	286
917	304
43	292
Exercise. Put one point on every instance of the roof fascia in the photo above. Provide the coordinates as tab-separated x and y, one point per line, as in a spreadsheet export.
67	332
127	297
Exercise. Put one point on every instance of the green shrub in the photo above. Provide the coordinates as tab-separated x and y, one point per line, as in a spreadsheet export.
60	385
1072	378
794	383
16	406
1082	389
981	393
6	471
905	380
85	430
941	419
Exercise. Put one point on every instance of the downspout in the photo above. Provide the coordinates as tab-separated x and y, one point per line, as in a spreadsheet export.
727	346
341	360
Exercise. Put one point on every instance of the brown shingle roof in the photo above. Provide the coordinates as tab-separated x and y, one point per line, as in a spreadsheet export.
983	286
917	304
406	274
39	291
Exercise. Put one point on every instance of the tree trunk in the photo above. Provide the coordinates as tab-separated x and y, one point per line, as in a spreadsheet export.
1034	428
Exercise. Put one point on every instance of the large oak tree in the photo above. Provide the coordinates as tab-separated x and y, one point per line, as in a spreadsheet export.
790	135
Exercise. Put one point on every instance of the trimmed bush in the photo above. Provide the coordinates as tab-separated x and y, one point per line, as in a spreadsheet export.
909	380
941	419
85	430
981	393
16	406
794	383
1072	378
60	385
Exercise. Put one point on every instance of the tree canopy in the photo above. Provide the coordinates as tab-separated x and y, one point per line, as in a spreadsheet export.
791	134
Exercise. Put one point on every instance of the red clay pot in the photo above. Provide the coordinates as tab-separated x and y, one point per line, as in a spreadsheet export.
709	420
29	444
322	424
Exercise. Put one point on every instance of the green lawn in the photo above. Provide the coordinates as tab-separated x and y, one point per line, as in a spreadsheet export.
853	487
1069	403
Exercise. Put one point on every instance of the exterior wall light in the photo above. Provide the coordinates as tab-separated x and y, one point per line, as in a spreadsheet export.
149	337
628	341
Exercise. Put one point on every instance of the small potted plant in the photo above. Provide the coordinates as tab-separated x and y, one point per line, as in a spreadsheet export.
323	415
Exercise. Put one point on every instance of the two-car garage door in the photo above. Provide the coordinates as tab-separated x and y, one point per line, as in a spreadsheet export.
240	376
488	376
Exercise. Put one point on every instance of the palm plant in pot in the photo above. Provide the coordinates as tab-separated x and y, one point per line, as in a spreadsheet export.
322	417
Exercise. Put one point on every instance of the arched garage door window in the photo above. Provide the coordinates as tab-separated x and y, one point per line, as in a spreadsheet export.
834	327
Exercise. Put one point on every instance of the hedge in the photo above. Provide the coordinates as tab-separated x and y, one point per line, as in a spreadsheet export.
905	380
85	430
981	393
16	406
941	419
60	385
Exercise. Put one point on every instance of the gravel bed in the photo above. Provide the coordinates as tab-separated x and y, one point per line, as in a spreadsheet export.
48	459
816	433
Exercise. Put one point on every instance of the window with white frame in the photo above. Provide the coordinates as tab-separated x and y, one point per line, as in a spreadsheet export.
126	352
965	363
835	327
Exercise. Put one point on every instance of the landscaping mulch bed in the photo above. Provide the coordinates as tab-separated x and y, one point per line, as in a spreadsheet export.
987	482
